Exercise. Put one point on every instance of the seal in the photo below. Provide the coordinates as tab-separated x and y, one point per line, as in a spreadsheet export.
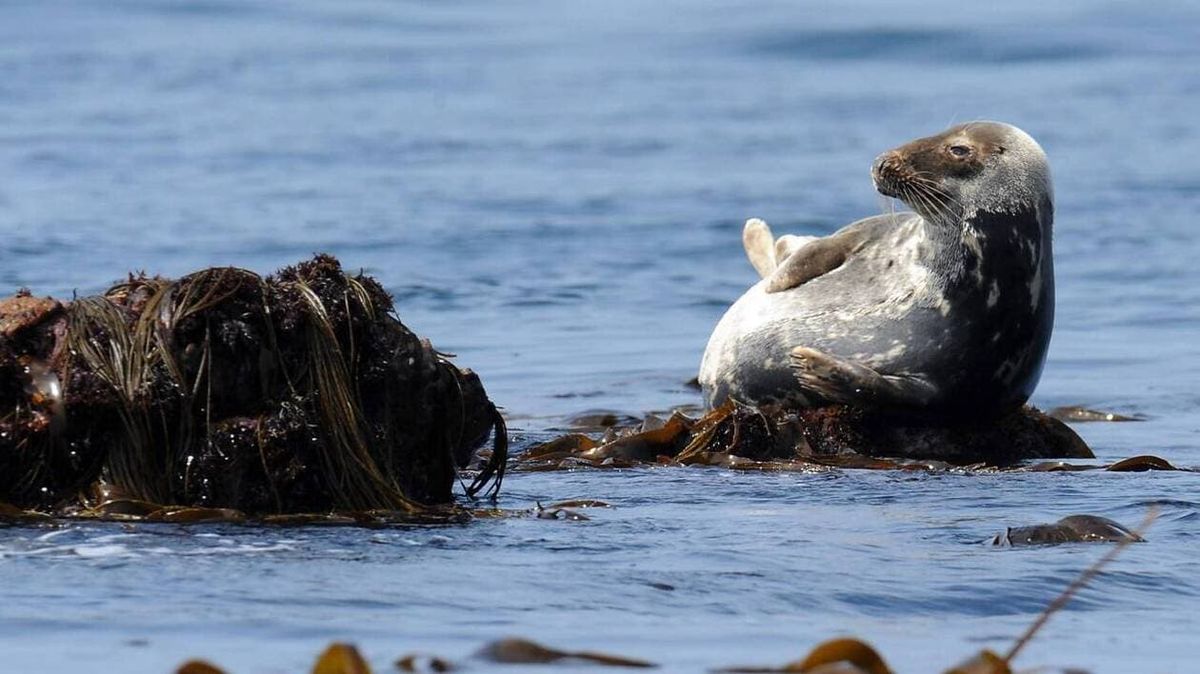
943	311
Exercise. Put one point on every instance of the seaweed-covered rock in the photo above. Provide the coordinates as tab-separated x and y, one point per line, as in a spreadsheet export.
296	392
836	435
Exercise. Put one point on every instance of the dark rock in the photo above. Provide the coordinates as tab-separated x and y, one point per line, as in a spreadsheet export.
223	389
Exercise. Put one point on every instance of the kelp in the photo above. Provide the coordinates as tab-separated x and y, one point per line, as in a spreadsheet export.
515	651
852	656
748	438
136	511
843	655
1081	414
297	392
835	656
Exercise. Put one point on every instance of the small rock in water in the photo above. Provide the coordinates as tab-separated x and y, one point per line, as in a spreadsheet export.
1072	529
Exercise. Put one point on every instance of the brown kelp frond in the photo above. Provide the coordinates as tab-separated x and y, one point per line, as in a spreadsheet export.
204	290
355	288
99	334
496	464
352	471
341	659
514	651
493	468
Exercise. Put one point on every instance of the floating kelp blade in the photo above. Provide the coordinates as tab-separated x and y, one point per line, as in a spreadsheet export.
1144	462
198	667
14	515
497	463
526	652
292	393
581	503
341	659
836	656
1080	414
985	662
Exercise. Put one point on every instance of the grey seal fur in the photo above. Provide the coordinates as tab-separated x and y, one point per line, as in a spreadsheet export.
946	310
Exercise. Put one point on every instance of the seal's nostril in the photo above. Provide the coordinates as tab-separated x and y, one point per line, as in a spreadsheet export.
885	166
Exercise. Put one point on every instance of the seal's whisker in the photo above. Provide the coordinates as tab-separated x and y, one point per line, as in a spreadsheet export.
945	196
933	187
922	202
933	198
944	206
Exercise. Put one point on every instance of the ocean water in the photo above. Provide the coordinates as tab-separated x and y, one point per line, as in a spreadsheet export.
554	191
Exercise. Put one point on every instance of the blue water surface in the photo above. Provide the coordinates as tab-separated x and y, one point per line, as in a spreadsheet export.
554	191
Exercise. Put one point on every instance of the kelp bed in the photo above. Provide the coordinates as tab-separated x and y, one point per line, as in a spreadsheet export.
737	436
772	439
225	391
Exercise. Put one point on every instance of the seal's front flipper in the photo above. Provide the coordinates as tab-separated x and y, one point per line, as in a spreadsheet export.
760	246
814	258
844	381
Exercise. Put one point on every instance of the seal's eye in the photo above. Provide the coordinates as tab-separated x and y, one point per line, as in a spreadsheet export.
959	151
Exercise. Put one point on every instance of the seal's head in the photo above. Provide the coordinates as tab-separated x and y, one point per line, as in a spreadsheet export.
979	166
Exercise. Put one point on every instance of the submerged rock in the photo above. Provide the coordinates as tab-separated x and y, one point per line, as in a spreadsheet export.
298	392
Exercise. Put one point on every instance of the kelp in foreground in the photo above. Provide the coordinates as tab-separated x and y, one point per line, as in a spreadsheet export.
297	392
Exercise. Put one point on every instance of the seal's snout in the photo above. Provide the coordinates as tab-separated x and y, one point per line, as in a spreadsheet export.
888	173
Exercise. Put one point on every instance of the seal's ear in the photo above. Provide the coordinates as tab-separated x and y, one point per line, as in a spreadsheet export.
759	243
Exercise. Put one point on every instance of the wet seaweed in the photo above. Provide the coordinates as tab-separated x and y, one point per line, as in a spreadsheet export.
297	392
748	438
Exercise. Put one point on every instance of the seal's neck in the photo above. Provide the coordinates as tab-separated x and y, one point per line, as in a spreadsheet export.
1017	239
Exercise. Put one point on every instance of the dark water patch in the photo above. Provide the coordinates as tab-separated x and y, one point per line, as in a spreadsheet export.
923	46
205	8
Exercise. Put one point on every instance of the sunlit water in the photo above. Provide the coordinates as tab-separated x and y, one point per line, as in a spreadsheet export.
554	191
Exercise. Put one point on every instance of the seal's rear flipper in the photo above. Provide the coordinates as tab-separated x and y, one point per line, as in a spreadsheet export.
790	243
759	243
845	381
814	258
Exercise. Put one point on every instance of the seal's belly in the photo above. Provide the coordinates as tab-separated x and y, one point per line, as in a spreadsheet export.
860	312
976	353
